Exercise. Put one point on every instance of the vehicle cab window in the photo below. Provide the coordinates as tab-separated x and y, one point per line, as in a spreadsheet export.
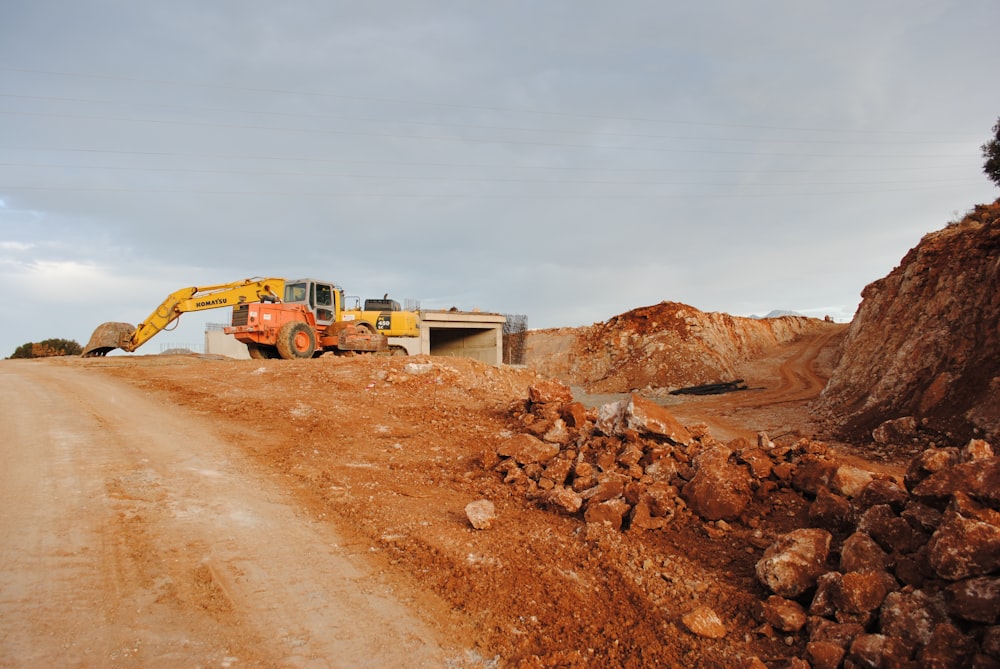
324	295
295	292
324	304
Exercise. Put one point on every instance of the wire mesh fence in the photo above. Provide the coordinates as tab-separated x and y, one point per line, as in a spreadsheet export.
515	335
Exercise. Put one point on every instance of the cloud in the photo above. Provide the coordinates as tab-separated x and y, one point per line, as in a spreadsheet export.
19	247
563	160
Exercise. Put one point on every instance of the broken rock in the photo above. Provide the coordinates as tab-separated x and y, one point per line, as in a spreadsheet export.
642	416
849	481
963	547
719	490
610	512
863	591
975	599
878	650
645	416
528	449
895	431
947	648
557	433
783	614
979	478
564	499
824	654
550	392
831	511
861	552
481	513
911	616
704	622
791	565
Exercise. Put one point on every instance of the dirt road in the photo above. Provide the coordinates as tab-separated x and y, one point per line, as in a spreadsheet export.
131	536
781	384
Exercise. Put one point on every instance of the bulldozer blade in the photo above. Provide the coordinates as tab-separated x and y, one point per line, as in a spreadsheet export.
107	337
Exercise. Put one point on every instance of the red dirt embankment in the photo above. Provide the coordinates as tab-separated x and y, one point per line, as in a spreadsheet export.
923	345
664	346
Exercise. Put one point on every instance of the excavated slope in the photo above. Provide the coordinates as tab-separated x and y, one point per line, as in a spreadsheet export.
924	342
667	345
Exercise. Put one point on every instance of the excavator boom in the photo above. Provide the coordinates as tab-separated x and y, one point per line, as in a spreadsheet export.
109	336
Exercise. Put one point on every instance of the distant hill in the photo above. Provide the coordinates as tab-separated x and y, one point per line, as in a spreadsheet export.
666	345
778	313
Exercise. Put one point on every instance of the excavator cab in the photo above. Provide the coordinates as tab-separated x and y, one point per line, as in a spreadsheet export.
318	296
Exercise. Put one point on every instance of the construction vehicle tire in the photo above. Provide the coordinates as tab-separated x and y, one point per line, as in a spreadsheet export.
296	340
262	352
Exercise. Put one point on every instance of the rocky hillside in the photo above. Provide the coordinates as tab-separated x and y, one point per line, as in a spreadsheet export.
922	350
666	345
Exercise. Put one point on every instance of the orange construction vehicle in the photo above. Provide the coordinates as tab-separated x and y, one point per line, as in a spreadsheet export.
312	318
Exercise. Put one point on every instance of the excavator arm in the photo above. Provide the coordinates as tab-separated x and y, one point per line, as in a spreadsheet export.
109	336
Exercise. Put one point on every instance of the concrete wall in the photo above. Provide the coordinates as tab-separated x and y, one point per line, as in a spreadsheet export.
411	344
462	334
218	342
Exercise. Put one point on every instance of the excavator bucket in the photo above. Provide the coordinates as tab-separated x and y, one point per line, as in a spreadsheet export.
107	337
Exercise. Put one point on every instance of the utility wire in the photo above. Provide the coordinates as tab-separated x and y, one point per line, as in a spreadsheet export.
561	114
455	196
425	177
571	168
461	140
466	126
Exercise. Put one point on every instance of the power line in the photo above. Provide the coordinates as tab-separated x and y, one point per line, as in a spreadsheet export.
425	177
461	140
253	89
571	168
454	196
465	126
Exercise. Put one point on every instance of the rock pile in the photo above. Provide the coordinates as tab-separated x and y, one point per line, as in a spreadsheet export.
895	573
918	577
632	465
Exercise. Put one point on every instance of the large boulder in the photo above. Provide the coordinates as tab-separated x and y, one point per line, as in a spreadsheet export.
643	416
720	490
975	599
791	565
912	616
964	547
978	478
860	552
550	392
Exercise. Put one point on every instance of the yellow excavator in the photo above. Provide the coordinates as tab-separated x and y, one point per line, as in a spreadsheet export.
128	337
275	318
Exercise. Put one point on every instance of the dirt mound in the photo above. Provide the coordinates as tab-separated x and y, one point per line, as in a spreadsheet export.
924	342
660	347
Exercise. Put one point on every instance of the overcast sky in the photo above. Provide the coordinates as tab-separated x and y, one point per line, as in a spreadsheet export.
567	159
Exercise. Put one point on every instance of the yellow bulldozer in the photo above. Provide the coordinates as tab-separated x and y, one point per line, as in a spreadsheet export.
275	318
